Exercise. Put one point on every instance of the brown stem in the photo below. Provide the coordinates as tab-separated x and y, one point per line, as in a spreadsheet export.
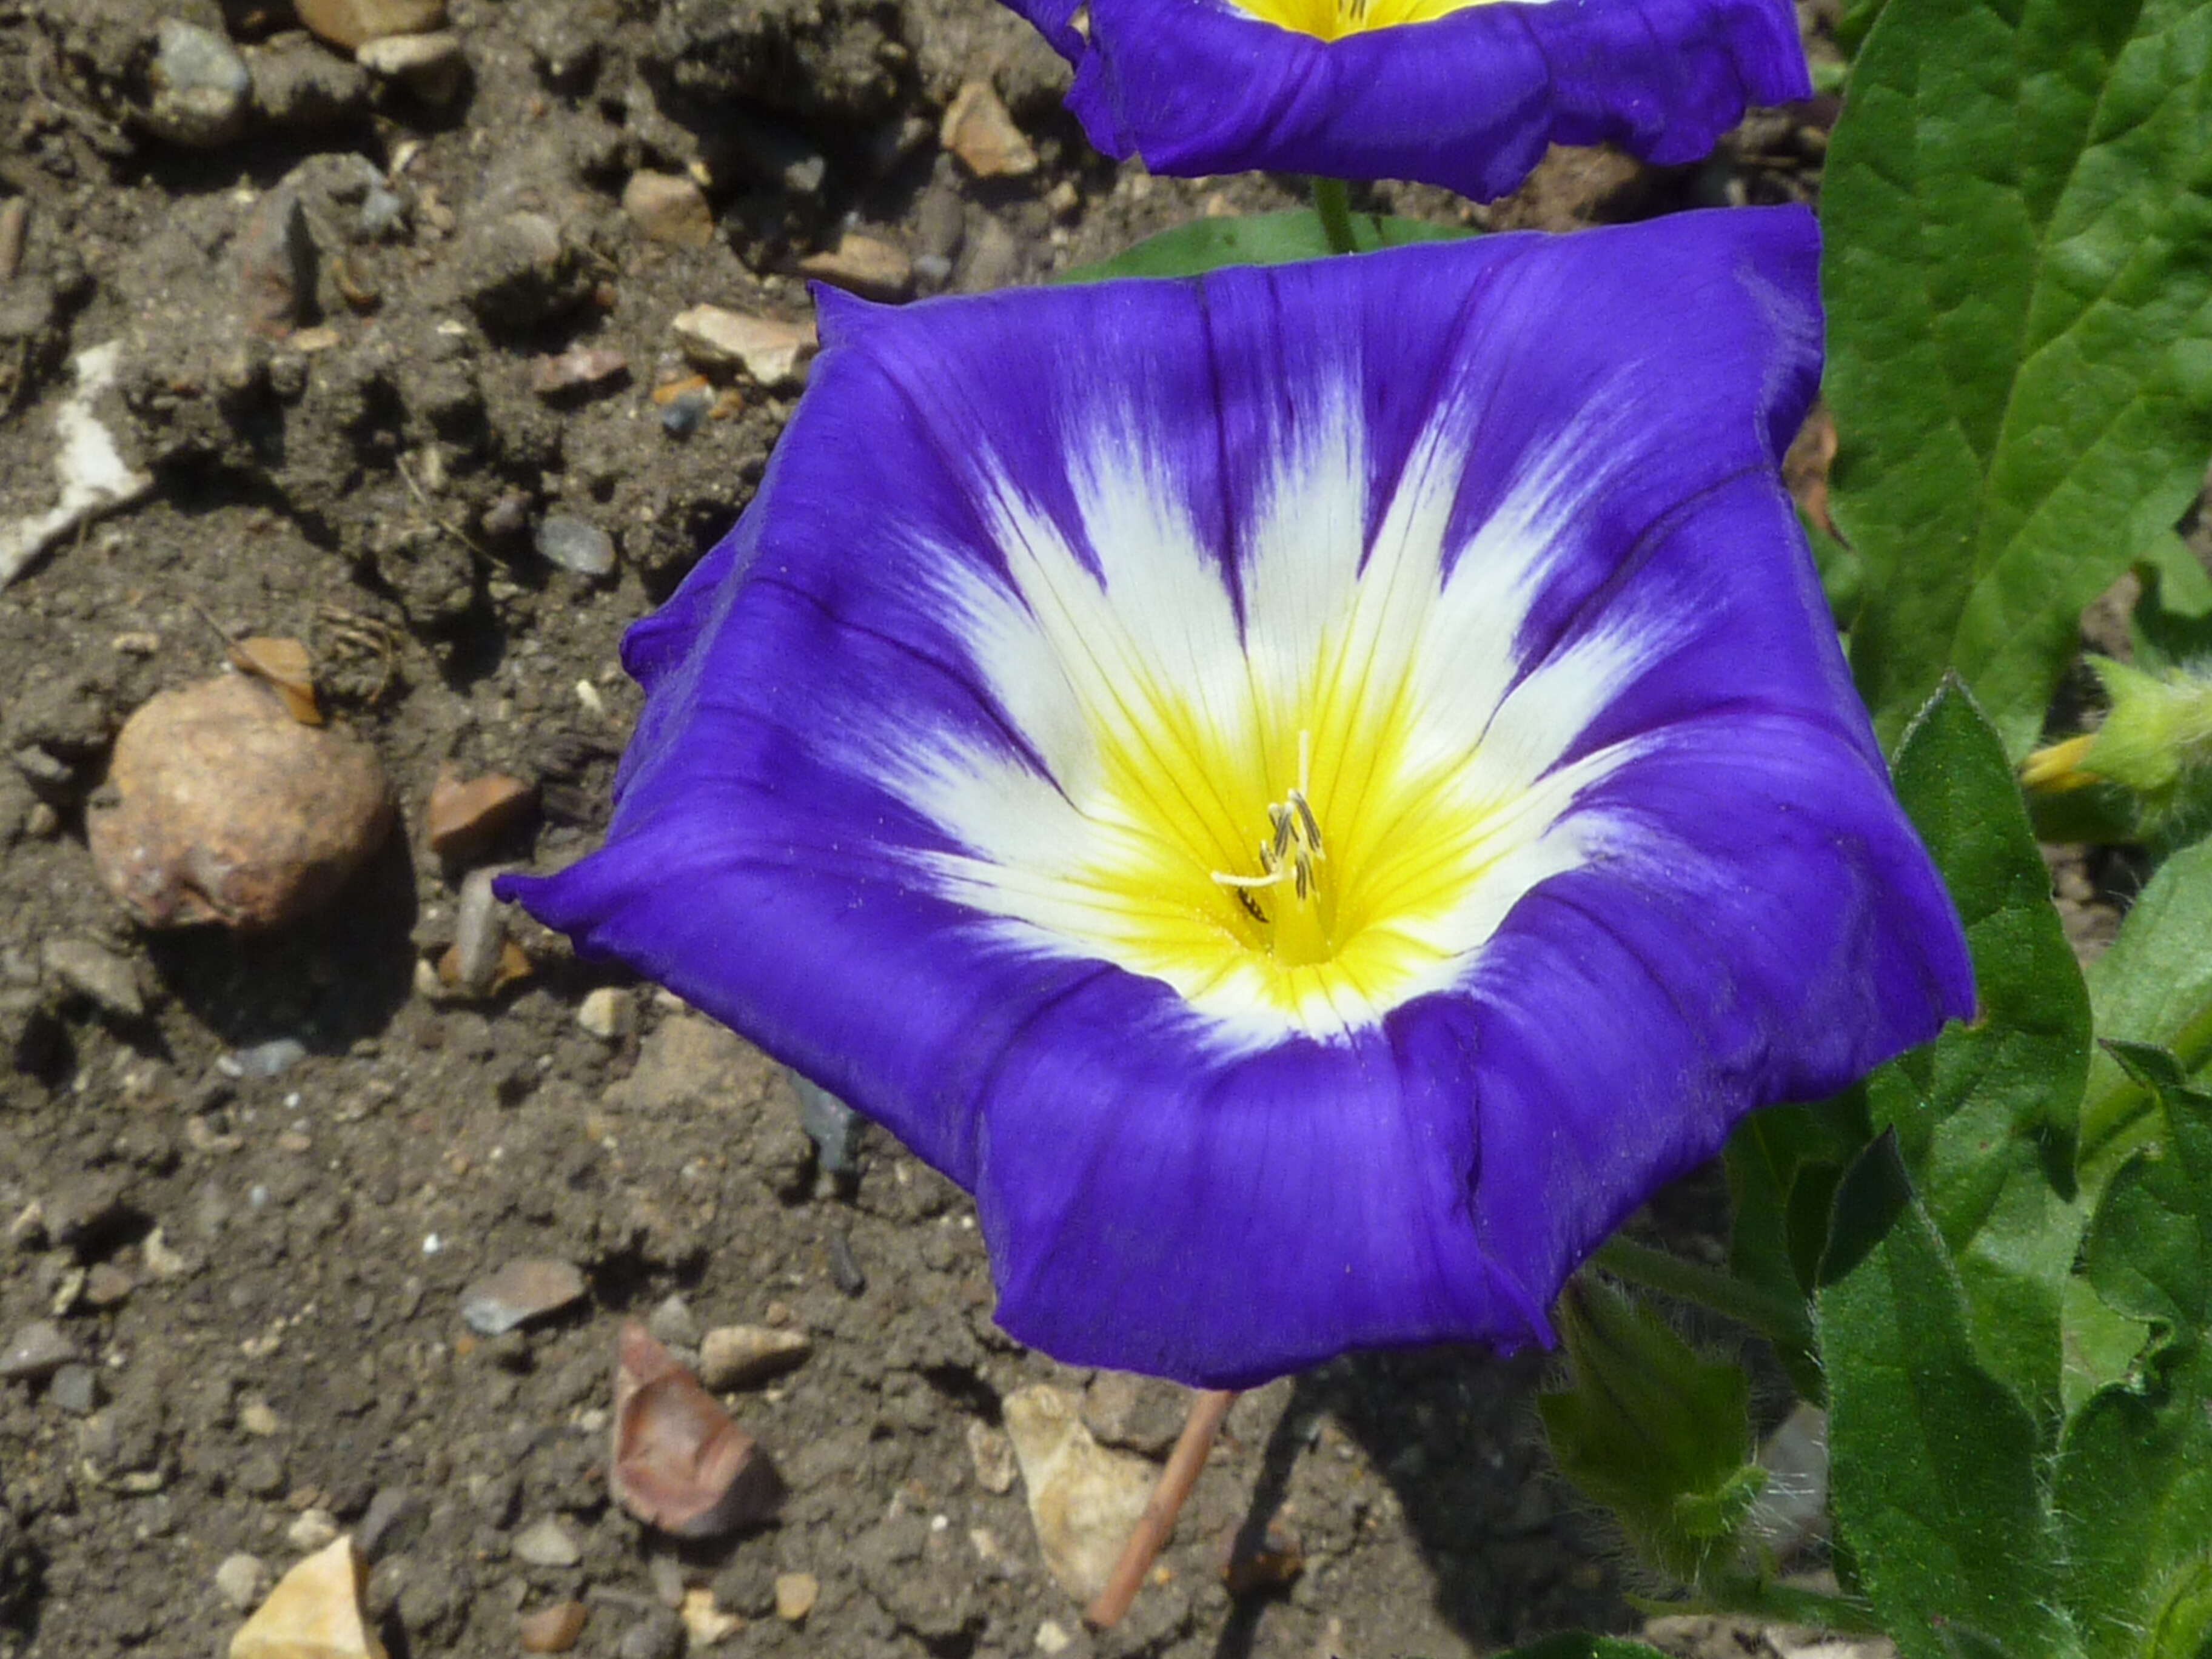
1150	1532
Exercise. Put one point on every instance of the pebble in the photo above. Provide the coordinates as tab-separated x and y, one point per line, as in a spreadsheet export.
679	1462
94	971
466	815
276	265
429	66
75	1390
383	216
608	1013
773	353
107	1286
473	965
202	91
219	807
351	23
673	1322
38	1350
395	1518
241	1580
272	1058
656	1636
546	1543
1052	1638
258	1418
745	1356
993	1454
314	1613
866	265
705	1624
553	1628
525	1289
576	544
796	1594
686	412
578	369
670	208
980	132
1083	1499
312	1530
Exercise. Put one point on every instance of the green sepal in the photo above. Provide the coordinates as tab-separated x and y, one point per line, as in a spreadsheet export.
1653	1429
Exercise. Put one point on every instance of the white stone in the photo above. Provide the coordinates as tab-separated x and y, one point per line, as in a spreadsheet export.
774	353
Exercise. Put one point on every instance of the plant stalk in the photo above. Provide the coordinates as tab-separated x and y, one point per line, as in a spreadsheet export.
1204	1422
2116	1111
1334	203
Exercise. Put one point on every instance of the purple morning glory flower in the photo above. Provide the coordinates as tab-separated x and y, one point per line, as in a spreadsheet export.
1464	93
1310	790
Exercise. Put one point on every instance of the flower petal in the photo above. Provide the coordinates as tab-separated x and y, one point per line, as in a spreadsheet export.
955	752
1468	100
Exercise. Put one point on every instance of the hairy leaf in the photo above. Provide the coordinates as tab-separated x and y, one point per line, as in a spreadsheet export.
1985	1115
2154	986
2018	210
1933	1462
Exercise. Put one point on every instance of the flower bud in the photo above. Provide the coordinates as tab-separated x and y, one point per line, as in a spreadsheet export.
1657	1432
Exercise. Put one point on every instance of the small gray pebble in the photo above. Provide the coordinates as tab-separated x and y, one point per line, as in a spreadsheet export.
674	1323
39	1349
200	86
383	216
681	417
272	1058
395	1519
656	1636
75	1390
576	544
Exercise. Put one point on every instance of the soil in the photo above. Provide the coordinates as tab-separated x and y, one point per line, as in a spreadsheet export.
248	1176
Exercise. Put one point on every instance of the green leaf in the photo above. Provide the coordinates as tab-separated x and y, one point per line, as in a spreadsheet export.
1775	1159
1651	1429
2018	213
1858	21
2134	1491
2149	1250
1932	1460
2101	1346
1985	1115
2154	986
1260	239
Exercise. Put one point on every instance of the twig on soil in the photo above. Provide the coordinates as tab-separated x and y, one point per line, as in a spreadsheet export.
431	513
1207	1410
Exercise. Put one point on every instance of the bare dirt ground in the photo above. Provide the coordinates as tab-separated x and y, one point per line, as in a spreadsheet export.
386	338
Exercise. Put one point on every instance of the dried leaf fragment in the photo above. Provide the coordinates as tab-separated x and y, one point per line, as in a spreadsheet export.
680	1463
285	665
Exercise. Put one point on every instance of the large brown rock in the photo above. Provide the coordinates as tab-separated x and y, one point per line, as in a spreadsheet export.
220	807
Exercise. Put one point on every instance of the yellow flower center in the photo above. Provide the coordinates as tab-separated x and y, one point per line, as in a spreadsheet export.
1332	19
1298	817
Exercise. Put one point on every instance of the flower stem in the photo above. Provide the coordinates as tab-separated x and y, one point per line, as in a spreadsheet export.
1184	1462
1334	203
1777	1318
2109	1116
